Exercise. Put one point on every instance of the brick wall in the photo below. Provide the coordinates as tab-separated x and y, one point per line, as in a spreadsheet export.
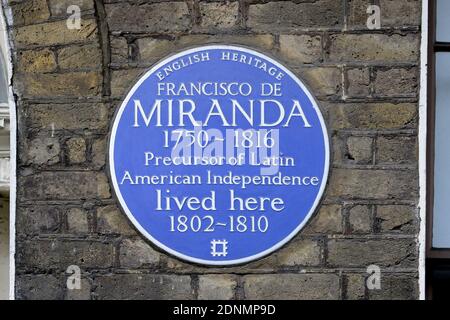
69	82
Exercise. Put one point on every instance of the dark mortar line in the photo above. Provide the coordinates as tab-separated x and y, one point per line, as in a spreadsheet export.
85	14
327	201
103	33
111	239
108	271
195	285
379	65
239	292
395	167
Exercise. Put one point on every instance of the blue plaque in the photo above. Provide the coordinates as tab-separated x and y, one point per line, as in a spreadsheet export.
219	155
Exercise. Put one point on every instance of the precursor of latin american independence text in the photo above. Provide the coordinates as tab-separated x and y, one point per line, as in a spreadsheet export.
228	179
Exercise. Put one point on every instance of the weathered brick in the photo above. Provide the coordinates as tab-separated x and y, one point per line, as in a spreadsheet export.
328	220
59	7
362	253
99	147
39	287
77	221
396	82
298	49
289	15
367	48
103	187
396	150
373	116
59	254
153	49
122	80
360	219
373	184
39	220
119	49
397	218
400	13
76	116
28	12
54	33
223	15
394	13
84	293
74	84
355	287
135	253
339	146
357	15
80	57
143	286
324	81
357	82
36	61
166	17
359	149
302	252
396	287
43	151
264	265
76	150
64	185
291	286
216	287
110	220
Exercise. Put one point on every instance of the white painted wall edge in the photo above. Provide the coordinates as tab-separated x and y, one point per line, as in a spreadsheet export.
13	152
422	139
